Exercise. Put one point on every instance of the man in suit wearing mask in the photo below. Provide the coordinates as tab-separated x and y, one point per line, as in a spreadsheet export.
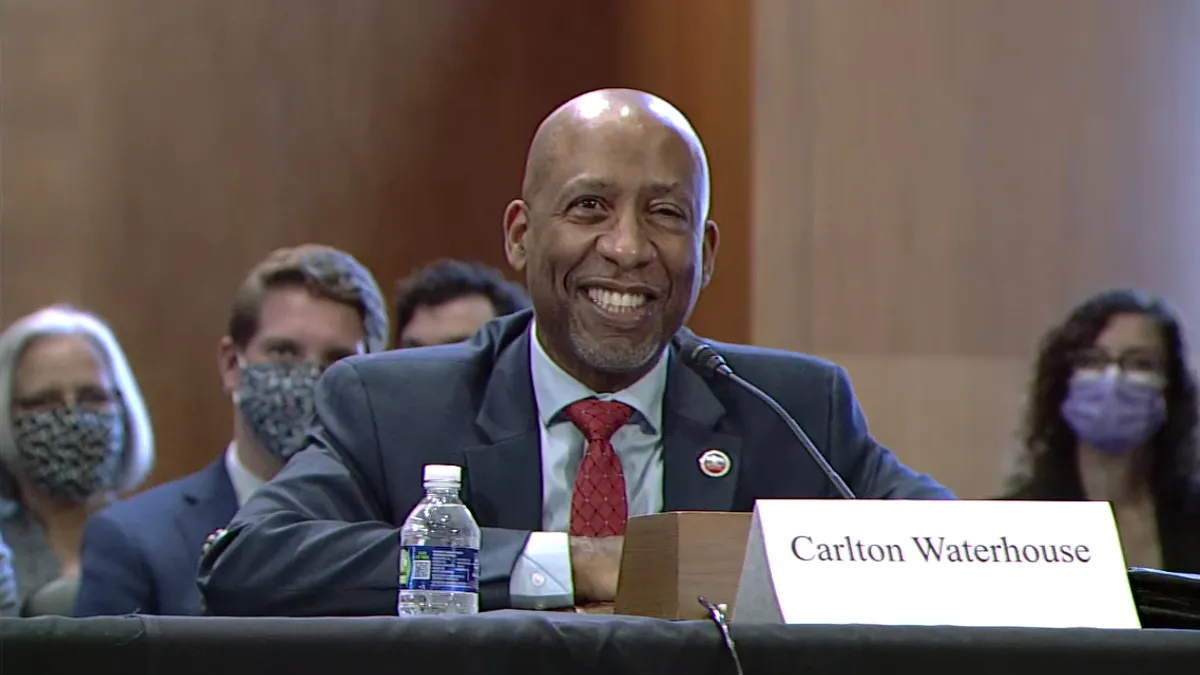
300	310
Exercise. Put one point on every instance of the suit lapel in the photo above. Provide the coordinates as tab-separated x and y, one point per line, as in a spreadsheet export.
504	474
210	504
691	427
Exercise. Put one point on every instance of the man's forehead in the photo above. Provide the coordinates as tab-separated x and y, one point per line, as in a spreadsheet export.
296	314
602	154
603	104
627	137
616	130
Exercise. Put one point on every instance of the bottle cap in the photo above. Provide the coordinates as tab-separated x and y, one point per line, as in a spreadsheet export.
443	473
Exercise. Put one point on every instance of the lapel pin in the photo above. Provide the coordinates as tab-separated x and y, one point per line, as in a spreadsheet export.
714	463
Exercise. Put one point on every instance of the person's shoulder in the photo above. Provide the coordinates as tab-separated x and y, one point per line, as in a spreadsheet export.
436	361
154	505
761	362
424	379
417	374
442	362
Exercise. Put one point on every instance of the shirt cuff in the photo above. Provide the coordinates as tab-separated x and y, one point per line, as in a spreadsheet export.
541	579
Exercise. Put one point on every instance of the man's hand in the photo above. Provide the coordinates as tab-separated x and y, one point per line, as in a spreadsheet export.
595	566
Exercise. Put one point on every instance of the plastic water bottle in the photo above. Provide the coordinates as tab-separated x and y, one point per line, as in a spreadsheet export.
439	550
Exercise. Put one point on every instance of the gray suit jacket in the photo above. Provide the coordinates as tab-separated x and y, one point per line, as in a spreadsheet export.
34	563
321	539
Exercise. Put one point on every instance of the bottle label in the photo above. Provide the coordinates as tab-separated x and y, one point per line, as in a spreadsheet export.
439	568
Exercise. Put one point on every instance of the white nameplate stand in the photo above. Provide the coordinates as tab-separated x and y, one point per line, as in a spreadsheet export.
929	563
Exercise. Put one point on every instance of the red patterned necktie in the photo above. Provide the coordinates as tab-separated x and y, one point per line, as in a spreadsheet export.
598	506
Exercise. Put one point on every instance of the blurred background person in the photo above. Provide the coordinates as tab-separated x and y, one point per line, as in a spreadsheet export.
448	300
299	310
1112	417
75	433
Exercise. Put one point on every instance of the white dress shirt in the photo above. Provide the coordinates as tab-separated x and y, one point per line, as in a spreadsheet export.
244	482
541	578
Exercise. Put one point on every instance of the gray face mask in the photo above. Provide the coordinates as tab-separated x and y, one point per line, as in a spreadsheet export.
70	453
276	402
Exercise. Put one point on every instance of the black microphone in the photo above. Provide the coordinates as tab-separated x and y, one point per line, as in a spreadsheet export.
703	358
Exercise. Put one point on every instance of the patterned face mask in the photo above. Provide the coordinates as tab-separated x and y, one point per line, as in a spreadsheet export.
276	402
70	453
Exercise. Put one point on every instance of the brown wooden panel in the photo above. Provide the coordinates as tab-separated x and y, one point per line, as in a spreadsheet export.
153	151
938	180
975	159
697	54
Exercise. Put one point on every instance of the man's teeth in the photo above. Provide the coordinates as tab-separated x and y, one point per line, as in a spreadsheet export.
612	301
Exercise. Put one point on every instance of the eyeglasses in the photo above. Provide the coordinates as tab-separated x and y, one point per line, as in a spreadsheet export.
1131	361
717	614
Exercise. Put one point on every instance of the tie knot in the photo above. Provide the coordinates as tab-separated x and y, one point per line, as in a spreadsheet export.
598	420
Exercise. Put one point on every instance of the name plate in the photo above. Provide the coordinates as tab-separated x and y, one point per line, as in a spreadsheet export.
929	563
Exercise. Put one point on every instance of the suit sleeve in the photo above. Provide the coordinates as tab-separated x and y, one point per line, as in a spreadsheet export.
316	540
313	541
113	579
874	473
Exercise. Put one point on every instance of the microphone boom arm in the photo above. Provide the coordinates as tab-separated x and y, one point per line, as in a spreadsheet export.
834	478
709	363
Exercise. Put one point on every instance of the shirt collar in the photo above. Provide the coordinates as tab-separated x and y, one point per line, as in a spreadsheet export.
554	389
244	482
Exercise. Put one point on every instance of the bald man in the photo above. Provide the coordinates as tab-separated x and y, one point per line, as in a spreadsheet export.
566	420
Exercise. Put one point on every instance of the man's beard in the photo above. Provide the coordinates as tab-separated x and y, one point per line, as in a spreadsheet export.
607	359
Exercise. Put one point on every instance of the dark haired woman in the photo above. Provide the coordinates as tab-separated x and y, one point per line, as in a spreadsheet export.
1112	417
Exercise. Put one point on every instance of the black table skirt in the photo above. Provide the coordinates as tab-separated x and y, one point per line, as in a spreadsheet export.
533	644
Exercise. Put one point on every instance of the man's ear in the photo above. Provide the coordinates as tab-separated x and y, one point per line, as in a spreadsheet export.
227	364
708	251
516	226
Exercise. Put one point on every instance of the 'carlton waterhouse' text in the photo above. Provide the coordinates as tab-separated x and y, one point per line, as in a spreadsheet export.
937	550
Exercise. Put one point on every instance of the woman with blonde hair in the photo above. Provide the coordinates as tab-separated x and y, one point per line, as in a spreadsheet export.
74	432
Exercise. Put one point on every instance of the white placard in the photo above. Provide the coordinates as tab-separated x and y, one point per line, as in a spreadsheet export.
928	563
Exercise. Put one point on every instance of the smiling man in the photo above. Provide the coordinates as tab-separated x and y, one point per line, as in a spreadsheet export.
568	419
612	233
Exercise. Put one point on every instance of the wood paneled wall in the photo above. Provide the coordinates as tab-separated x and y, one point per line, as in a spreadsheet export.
698	55
153	151
936	181
912	189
